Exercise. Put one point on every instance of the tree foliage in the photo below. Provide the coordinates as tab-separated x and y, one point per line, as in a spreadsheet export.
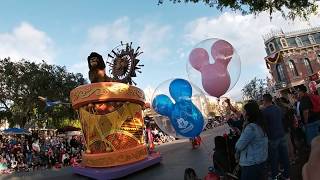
255	89
22	82
288	8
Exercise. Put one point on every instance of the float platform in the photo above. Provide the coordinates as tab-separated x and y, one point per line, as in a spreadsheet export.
118	171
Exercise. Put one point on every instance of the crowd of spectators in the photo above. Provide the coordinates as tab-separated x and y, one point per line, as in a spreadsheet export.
271	135
26	153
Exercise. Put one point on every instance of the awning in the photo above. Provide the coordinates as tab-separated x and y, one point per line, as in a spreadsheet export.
14	131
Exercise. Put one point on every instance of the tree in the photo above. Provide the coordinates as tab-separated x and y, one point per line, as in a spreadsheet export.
254	89
22	82
288	8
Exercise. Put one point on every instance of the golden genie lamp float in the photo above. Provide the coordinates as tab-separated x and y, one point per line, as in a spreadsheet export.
110	111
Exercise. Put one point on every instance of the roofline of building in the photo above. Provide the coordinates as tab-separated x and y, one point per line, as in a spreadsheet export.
279	33
290	48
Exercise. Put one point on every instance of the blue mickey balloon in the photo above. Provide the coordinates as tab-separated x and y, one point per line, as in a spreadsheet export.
180	89
162	104
185	117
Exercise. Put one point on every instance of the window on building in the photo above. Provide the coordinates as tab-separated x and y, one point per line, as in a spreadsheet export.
308	66
299	42
280	73
283	42
293	68
272	49
311	39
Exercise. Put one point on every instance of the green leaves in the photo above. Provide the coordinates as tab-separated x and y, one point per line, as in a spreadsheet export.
254	89
290	9
22	82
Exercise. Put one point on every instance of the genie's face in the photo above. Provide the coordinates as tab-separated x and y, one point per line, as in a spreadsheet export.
94	61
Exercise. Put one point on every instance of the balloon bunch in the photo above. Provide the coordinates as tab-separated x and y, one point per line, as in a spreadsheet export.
182	102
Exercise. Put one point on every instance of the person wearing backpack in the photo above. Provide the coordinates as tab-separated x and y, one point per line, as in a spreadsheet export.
310	113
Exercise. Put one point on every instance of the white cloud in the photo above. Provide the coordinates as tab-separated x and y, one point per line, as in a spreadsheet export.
151	39
181	52
81	68
25	41
245	33
103	37
150	36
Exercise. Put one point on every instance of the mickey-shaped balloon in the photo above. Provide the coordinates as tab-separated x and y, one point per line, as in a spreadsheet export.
215	77
185	117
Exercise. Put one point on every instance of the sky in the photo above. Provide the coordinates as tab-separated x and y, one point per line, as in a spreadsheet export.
66	32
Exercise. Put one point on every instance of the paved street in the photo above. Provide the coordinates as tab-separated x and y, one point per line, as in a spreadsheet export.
176	155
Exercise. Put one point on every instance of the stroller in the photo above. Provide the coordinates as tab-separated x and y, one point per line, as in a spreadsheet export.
224	160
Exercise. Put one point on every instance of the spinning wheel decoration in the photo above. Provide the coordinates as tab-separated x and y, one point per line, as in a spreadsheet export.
123	63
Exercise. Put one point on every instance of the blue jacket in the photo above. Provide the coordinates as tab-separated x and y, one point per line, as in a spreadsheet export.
252	145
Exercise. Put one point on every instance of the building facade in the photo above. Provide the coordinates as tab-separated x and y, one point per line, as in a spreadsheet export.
293	58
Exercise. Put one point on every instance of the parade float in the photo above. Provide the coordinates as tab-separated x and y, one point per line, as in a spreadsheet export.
110	111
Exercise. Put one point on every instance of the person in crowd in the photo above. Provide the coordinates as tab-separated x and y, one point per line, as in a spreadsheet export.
288	122
51	158
65	159
27	149
73	144
297	133
309	117
190	174
220	156
278	145
253	144
196	142
236	120
20	165
73	161
36	146
13	162
3	164
36	162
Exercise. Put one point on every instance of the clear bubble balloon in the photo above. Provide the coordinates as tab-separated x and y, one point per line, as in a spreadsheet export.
163	122
214	66
181	107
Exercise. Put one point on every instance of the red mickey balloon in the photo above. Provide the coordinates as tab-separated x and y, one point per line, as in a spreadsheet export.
222	51
215	77
198	58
